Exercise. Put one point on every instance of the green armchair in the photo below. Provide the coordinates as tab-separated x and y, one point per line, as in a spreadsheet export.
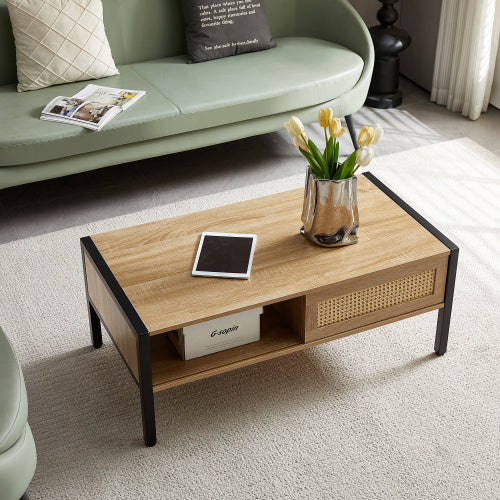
17	447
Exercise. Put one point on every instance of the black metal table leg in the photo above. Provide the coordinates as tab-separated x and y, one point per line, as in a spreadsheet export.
444	316
443	324
352	131
143	375
94	320
95	326
146	390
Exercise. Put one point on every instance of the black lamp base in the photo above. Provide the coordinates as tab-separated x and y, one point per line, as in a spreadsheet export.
384	101
388	42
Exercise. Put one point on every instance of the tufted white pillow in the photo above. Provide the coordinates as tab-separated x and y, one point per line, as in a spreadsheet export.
59	41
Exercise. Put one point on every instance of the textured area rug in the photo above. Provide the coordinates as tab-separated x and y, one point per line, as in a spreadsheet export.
374	415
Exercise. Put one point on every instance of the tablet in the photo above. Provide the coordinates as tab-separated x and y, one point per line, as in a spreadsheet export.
225	255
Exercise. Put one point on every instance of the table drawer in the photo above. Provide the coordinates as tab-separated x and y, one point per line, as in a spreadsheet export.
374	298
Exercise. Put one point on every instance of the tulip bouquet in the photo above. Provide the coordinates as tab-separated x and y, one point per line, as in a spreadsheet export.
326	165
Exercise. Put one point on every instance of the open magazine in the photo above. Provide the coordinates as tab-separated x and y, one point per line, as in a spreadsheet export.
92	107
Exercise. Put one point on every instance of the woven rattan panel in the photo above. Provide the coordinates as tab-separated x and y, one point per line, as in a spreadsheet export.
375	298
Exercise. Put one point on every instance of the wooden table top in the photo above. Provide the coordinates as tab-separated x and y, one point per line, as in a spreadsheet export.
153	262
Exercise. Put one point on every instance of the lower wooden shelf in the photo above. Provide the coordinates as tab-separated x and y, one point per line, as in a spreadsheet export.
277	339
169	369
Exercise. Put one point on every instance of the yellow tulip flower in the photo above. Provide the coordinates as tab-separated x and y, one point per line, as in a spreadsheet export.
324	117
336	129
365	137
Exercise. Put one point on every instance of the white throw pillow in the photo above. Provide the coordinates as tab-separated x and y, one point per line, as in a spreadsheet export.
59	41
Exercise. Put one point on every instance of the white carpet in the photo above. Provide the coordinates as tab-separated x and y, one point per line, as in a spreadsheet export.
374	415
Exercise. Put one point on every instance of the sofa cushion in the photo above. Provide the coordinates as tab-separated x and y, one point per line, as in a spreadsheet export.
27	139
184	97
13	401
295	74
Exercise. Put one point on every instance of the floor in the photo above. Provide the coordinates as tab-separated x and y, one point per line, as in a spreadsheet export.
55	204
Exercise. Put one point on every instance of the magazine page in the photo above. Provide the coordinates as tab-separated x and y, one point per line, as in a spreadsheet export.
92	107
109	96
93	115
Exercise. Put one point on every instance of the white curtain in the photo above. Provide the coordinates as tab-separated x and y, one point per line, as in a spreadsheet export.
469	32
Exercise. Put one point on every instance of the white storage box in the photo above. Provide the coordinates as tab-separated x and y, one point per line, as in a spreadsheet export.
217	334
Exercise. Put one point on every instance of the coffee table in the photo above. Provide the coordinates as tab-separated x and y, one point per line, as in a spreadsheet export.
139	284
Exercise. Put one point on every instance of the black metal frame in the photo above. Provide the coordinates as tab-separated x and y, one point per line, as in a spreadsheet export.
444	315
120	298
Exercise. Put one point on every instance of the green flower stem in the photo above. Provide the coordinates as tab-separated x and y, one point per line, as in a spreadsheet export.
326	138
312	163
334	166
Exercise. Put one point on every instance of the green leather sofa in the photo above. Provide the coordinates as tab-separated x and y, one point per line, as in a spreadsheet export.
17	448
324	57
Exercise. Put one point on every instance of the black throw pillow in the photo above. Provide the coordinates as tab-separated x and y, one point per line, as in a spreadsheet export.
223	28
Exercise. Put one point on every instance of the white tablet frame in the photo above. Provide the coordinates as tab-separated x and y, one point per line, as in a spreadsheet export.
225	275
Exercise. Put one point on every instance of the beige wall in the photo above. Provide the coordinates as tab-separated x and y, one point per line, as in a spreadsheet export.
495	92
368	10
421	19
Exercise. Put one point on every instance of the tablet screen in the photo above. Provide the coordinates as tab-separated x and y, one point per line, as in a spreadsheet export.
225	255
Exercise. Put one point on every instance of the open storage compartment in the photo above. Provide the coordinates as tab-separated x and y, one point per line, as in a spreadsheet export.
282	327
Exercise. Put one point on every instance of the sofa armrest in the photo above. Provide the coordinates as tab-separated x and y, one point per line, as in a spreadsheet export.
338	22
13	400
